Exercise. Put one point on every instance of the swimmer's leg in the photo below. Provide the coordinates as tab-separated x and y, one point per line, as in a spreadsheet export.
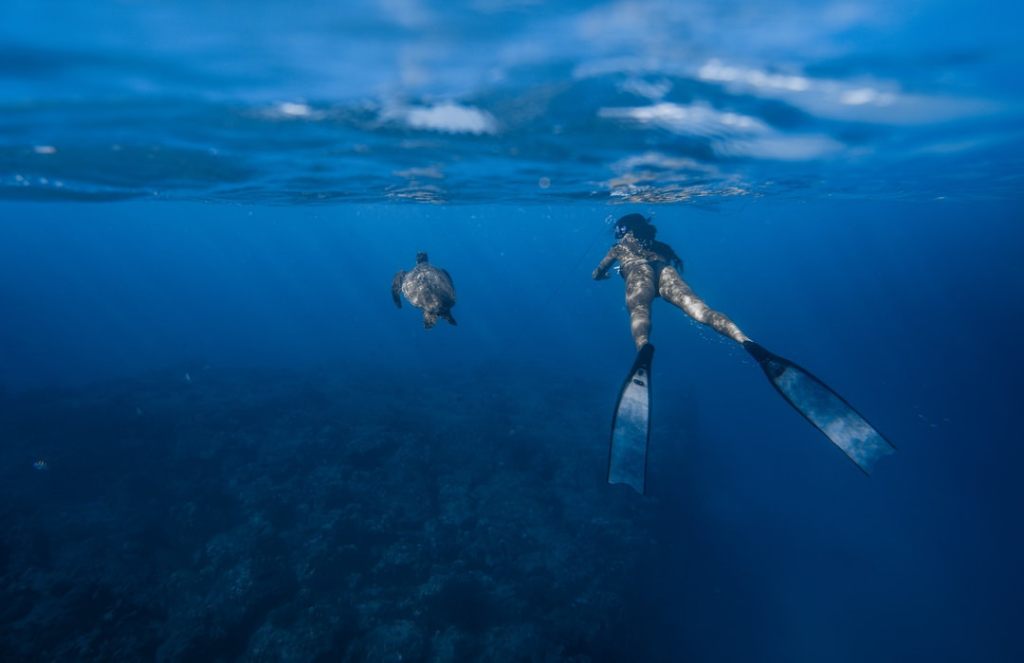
817	402
640	293
673	288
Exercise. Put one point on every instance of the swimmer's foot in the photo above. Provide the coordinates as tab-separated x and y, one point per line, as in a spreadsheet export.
824	408
631	425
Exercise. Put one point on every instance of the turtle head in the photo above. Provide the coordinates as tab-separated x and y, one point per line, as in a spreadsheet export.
421	257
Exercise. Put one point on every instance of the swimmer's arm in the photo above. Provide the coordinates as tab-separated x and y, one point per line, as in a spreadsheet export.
602	269
671	255
677	262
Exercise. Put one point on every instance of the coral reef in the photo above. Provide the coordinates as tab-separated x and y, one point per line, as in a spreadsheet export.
258	515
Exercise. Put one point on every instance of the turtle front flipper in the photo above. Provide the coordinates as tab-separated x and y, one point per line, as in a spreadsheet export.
396	288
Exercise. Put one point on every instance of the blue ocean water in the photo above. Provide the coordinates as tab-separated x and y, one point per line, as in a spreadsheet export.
220	440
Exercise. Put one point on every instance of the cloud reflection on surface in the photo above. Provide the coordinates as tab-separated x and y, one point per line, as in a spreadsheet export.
499	90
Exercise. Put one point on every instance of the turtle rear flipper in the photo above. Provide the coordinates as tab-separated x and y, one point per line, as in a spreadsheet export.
396	288
448	316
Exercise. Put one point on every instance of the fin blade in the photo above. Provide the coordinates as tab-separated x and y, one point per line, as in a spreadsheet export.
824	409
631	425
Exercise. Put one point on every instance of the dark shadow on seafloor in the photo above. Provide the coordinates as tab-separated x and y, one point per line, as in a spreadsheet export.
297	516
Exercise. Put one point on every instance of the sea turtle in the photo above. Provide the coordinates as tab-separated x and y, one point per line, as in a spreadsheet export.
428	288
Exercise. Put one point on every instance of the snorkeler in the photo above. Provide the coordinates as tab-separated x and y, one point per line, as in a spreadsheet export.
426	287
651	268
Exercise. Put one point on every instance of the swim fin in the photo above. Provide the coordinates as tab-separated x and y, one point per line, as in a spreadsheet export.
824	408
631	425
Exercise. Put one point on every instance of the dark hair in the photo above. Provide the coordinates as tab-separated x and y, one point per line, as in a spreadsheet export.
636	224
